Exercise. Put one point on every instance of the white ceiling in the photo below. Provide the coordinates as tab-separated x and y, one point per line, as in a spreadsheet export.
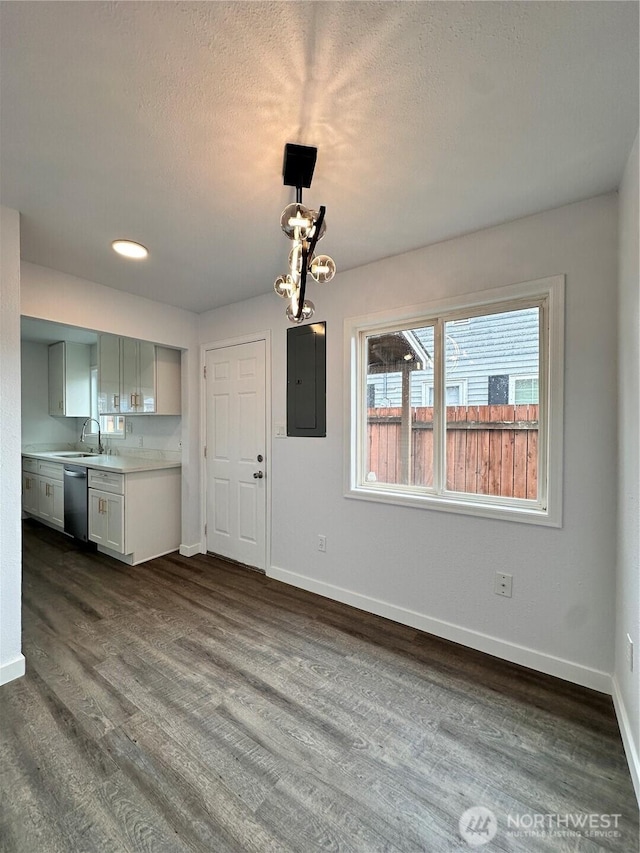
165	122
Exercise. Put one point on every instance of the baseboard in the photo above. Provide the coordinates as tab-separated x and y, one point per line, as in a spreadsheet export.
633	758
13	669
190	550
573	672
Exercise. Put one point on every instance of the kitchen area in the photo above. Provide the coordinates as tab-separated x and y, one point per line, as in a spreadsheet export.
101	439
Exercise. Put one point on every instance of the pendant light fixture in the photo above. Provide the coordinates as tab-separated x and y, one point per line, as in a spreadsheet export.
304	227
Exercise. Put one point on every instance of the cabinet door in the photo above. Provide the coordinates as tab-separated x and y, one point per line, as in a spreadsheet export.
108	374
29	493
106	520
77	380
146	401
57	503
130	375
56	379
51	501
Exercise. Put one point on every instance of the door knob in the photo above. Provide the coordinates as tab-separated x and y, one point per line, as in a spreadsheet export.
259	457
258	475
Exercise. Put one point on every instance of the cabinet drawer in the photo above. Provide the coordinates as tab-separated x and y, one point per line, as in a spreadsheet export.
108	481
53	470
29	464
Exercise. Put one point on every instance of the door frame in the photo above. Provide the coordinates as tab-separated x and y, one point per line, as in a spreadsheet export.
223	344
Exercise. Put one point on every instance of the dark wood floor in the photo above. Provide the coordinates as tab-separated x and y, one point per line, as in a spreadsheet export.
191	705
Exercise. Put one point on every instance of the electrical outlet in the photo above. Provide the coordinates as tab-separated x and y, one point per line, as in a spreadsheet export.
129	426
322	543
140	441
630	652
503	584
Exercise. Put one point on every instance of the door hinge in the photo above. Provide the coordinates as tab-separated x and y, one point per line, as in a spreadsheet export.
205	451
205	530
204	371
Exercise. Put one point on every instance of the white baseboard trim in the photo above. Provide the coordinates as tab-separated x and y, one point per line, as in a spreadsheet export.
631	751
540	661
190	550
13	669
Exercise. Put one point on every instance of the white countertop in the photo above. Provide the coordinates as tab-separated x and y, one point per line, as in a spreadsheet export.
119	464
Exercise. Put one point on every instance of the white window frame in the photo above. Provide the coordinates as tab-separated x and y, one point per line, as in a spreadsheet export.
548	293
512	386
461	384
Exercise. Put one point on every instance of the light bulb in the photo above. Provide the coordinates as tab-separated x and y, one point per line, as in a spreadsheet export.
322	268
296	221
295	259
283	286
307	311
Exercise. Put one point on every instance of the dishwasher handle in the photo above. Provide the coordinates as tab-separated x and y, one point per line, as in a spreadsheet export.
78	474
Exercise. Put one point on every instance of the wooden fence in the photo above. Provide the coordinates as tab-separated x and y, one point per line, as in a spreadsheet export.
491	450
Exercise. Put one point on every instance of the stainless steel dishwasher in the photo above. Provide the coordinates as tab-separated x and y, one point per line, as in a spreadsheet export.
75	502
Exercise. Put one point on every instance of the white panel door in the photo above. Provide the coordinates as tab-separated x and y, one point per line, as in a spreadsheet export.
235	466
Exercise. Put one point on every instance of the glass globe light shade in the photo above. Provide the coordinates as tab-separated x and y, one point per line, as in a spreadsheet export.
307	311
283	286
295	259
323	228
297	221
322	268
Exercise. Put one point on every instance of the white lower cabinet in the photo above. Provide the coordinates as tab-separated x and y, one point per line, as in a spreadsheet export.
51	501
106	519
30	493
43	491
136	516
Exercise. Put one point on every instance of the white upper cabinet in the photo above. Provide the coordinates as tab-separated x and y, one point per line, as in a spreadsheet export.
70	380
108	374
137	377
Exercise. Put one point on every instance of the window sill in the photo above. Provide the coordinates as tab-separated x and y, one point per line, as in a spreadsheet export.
523	513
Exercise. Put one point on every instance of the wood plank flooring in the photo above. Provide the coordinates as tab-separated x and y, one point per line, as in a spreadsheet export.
192	705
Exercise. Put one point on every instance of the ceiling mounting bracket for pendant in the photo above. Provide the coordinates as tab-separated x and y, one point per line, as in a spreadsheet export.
298	165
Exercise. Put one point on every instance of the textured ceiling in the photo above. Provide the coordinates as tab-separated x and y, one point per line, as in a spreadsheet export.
166	122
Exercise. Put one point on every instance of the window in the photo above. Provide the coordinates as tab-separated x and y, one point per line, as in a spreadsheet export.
471	419
456	393
523	389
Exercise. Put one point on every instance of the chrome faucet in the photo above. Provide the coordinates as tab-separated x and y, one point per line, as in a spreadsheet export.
84	429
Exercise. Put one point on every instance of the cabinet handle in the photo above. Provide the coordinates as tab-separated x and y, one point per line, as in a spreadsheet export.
116	401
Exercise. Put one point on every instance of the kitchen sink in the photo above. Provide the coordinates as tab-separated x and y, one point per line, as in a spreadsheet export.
67	454
80	455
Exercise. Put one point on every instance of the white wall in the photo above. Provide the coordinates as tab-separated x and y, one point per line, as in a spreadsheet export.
51	295
38	427
436	570
11	659
627	683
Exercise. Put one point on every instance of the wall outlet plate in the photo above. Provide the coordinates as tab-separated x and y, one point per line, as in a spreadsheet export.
503	584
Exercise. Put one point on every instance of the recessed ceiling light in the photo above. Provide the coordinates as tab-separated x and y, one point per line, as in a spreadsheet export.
130	249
